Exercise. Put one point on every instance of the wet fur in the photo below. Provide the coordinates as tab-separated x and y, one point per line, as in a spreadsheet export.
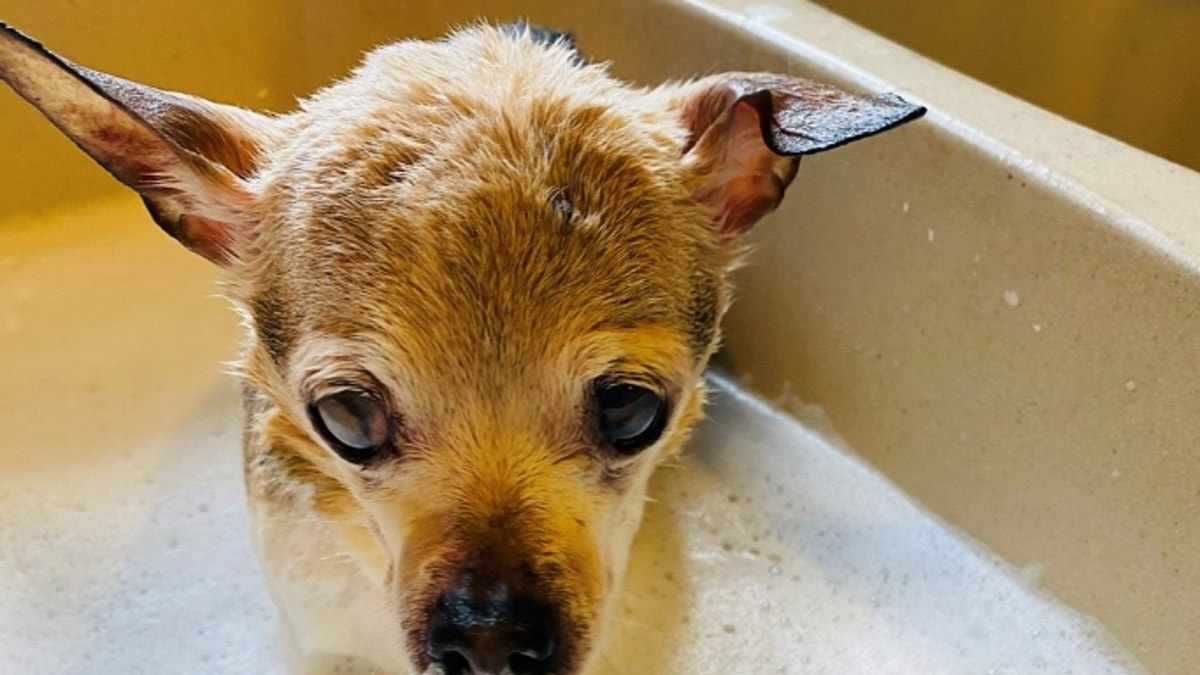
465	247
478	228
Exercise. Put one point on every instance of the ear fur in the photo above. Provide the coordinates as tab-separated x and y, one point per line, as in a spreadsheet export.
747	132
189	159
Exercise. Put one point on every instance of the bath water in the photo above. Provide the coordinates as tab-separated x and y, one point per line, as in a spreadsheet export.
123	544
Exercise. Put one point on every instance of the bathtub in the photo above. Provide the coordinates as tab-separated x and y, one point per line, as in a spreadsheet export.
956	417
1124	67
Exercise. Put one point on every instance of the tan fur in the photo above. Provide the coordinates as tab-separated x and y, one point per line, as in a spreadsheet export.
478	229
412	228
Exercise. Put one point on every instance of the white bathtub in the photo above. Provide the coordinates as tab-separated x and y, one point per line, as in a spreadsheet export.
996	310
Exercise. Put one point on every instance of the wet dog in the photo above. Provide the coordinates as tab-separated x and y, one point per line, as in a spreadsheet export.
481	279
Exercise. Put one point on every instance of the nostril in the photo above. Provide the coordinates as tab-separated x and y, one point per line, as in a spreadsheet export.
535	641
490	635
444	639
454	663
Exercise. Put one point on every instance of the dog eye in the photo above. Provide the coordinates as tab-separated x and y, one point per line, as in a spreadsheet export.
631	417
354	422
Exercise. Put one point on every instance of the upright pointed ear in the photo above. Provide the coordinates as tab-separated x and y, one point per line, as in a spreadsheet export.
190	159
748	131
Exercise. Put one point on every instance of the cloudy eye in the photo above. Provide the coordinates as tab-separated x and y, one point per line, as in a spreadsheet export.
353	422
631	417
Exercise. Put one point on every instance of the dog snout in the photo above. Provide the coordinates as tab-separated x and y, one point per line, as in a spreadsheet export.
491	629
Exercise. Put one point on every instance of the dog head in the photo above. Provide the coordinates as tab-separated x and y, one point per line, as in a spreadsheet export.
482	280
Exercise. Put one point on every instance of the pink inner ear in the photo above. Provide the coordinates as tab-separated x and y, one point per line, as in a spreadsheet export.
129	152
747	180
748	131
187	157
209	238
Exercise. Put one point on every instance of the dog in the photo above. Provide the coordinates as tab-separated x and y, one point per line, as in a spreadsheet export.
481	280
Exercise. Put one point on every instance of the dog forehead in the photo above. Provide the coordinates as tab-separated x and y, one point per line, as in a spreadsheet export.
415	100
494	252
491	203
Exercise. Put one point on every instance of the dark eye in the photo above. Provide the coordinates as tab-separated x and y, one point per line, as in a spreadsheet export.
631	417
354	422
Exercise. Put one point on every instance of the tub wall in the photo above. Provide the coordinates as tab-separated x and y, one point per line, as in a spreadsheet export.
1125	67
997	324
1016	352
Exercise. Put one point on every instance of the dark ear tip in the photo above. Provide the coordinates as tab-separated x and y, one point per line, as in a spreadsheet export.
7	31
839	126
907	110
10	31
902	111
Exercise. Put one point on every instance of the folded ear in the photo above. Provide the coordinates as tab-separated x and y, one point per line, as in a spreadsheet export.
190	159
748	131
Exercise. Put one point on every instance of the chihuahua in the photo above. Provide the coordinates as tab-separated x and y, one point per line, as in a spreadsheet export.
481	280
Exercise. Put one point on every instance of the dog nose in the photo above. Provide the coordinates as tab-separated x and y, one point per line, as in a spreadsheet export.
485	631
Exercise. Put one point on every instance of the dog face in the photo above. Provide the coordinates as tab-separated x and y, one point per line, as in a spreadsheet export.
482	281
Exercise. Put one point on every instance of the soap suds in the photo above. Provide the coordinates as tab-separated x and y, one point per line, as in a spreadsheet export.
829	568
124	544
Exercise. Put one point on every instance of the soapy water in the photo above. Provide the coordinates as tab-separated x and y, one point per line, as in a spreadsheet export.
123	528
766	550
774	551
